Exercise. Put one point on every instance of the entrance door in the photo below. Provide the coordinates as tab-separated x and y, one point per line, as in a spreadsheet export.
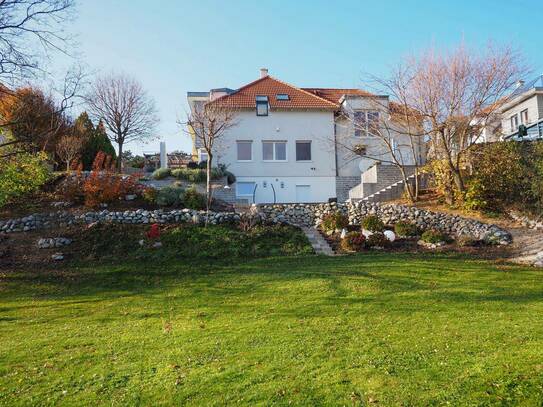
303	193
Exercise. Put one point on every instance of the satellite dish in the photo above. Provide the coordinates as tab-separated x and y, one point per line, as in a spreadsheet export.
362	165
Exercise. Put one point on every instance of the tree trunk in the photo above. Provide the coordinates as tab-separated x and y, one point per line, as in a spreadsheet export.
457	184
458	181
208	180
67	165
407	187
119	158
417	185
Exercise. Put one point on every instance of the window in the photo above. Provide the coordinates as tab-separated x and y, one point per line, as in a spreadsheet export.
303	151
245	150
274	150
261	105
394	146
282	96
202	155
364	122
245	189
524	116
514	123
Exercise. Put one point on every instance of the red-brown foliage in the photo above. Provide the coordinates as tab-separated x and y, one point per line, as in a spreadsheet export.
154	231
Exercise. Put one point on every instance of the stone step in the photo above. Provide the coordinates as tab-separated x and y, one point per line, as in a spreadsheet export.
319	244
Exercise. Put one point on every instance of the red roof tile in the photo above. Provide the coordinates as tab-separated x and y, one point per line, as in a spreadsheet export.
245	97
334	95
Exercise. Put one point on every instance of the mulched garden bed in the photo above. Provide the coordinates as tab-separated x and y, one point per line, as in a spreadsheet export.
409	245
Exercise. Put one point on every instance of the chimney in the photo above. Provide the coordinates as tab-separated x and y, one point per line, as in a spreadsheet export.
263	72
519	84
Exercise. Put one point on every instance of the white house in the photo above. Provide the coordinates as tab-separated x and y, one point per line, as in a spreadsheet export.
293	144
524	110
520	117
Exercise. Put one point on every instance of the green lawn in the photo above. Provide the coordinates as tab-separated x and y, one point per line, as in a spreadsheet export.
372	329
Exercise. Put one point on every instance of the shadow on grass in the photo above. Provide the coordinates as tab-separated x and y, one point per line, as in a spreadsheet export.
395	279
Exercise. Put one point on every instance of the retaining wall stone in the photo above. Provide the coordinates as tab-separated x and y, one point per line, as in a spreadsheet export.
295	214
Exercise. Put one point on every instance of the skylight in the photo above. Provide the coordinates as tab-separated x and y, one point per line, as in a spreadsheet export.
282	96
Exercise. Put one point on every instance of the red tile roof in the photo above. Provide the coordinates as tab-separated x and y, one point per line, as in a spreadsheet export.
334	95
245	97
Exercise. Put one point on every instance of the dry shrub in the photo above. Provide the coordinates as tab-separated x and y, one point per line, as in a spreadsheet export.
353	242
103	186
71	188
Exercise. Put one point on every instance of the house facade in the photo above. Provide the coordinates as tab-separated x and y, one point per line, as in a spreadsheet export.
524	110
520	117
294	144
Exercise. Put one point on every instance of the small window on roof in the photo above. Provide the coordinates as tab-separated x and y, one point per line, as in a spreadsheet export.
282	96
261	105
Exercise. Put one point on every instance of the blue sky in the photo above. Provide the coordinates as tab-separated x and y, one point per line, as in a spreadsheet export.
176	46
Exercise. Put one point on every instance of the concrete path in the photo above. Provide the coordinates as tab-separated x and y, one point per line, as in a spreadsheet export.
319	244
527	246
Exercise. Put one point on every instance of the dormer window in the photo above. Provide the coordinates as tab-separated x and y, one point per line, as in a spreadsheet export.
261	105
282	96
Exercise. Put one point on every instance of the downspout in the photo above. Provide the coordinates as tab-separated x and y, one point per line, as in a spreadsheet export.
335	144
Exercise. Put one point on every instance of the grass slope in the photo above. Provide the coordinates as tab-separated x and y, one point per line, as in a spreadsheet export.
369	329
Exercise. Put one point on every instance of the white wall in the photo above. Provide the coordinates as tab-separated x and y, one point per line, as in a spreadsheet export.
533	113
289	126
321	188
348	163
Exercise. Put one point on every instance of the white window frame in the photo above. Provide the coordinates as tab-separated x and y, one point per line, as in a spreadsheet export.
274	150
310	151
364	132
202	152
250	142
512	119
262	100
524	116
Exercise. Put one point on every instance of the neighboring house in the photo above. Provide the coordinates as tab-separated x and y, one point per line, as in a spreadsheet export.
175	160
292	144
489	127
524	108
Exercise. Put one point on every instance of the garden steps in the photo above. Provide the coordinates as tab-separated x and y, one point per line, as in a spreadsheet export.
393	191
319	244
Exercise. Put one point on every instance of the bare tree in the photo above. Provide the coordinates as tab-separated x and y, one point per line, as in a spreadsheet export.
69	147
29	30
128	113
208	125
392	133
455	91
440	101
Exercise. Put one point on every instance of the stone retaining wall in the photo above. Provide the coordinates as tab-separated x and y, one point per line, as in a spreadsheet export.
454	225
296	214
